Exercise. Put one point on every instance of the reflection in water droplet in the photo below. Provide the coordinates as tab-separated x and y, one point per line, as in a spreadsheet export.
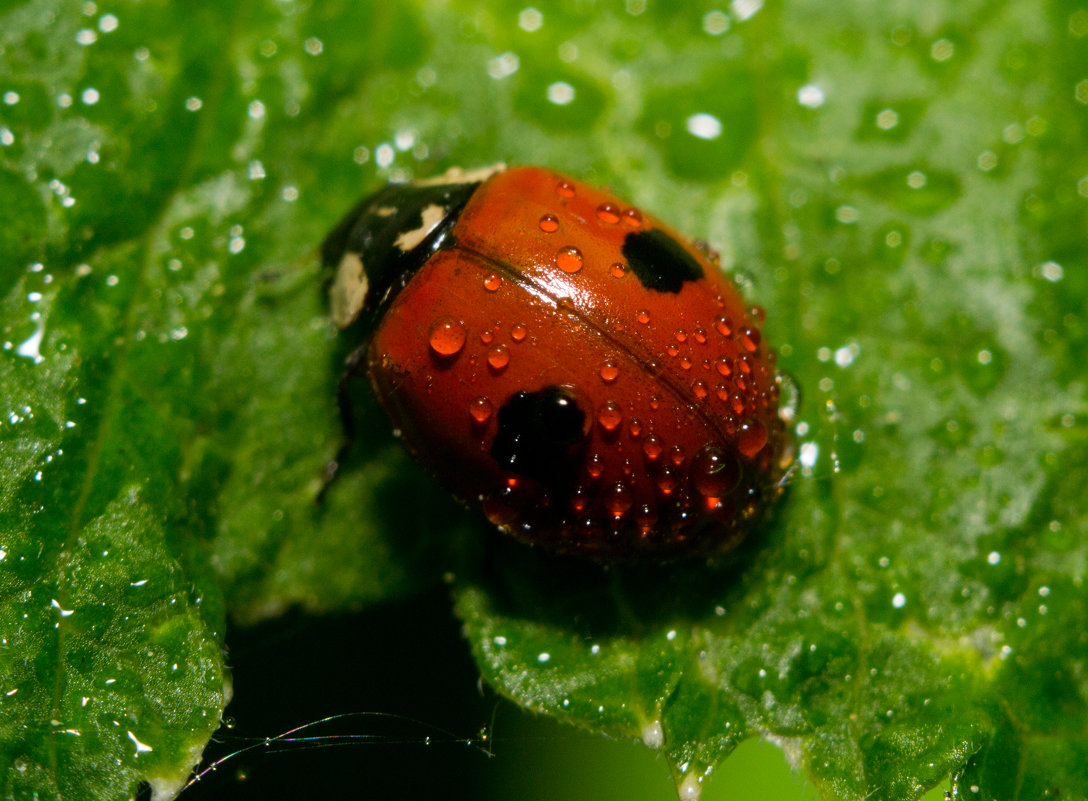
549	223
498	357
632	218
608	213
714	473
610	415
446	337
569	260
492	282
564	189
31	346
480	409
618	270
618	498
749	338
751	437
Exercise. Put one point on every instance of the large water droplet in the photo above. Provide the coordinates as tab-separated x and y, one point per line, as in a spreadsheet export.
569	260
608	213
751	437
610	415
498	357
714	473
446	337
480	409
618	498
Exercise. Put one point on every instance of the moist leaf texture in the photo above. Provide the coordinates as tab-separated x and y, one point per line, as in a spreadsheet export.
904	190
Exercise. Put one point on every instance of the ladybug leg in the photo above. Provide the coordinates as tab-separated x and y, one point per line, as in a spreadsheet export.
353	366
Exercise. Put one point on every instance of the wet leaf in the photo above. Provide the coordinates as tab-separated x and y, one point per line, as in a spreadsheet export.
903	190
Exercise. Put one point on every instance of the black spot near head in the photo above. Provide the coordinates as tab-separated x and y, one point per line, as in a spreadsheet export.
659	261
540	434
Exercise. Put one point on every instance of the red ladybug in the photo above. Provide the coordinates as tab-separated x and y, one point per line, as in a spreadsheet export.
587	377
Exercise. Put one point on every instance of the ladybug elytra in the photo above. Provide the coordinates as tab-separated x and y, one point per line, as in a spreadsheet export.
588	378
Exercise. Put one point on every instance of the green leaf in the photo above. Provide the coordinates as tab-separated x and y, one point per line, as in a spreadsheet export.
905	191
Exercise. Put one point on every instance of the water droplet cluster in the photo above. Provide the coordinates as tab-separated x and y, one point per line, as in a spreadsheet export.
666	435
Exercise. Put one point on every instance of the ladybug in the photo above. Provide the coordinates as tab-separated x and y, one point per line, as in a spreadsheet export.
585	376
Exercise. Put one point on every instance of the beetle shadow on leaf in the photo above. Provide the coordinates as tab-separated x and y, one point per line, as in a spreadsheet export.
601	600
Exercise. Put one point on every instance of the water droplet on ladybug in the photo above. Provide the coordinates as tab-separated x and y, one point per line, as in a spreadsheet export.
724	325
677	455
564	189
480	409
579	500
685	363
632	218
486	337
643	316
569	259
741	382
446	337
745	364
518	332
618	270
498	357
724	366
492	282
653	447
758	314
700	336
672	350
646	517
749	338
736	400
634	428
595	466
668	479
681	335
751	437
699	389
618	499
610	415
715	473
609	372
608	213
549	223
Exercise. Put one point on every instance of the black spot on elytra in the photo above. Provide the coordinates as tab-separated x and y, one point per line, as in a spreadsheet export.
540	434
659	262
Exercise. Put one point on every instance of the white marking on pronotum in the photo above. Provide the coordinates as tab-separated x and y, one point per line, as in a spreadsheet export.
432	216
456	175
348	290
